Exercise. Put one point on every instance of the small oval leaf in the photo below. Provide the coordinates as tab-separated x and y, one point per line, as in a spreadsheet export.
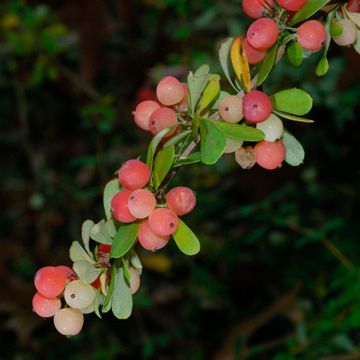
295	153
122	302
111	188
186	240
163	163
196	84
86	271
309	9
124	239
293	101
295	53
267	65
211	91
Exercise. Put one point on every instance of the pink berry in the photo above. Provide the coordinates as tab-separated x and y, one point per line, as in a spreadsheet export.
163	221
149	240
69	321
170	91
181	200
311	35
254	56
262	33
230	108
353	6
134	174
161	119
348	35
141	203
45	307
256	8
70	273
292	5
257	106
270	155
183	105
119	206
143	112
50	281
134	281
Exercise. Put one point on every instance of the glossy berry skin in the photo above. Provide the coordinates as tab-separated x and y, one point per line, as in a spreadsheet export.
161	119
134	280
292	5
141	203
50	281
70	273
68	321
348	35
272	127
143	112
311	35
181	200
230	109
170	91
255	9
134	174
257	106
149	240
270	155
163	221
79	295
44	306
119	206
262	33
104	248
254	56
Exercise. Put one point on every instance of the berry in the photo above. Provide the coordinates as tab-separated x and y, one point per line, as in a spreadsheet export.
70	273
89	309
353	6
230	108
348	35
79	295
262	33
311	35
149	240
184	104
170	91
256	8
245	157
257	106
254	56
119	206
272	127
292	5
68	321
163	221
134	280
161	119
50	281
143	112
141	203
181	200
96	283
270	155
44	306
232	145
104	248
134	174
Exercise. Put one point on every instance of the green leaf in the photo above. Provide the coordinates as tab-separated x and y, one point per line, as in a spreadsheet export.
295	153
97	302
77	253
177	138
193	158
293	101
124	239
108	300
220	97
293	117
295	53
111	228
322	67
336	28
127	273
100	234
212	143
239	132
186	240
196	84
85	233
122	302
86	271
135	261
309	9
111	188
224	57
211	91
153	146
357	42
163	164
267	65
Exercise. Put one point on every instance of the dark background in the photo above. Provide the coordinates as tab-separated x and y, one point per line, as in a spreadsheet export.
278	274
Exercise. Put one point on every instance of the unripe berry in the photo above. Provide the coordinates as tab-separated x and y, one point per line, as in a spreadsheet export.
311	35
232	145
141	203
270	155
44	306
134	174
348	35
254	56
184	104
70	273
68	321
50	281
181	200
230	109
161	119
143	112
134	280
272	127
256	8
262	33
79	295
163	221
257	106
89	309
170	91
292	5
149	240
119	206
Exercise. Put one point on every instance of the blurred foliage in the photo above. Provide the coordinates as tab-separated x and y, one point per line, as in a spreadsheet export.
278	275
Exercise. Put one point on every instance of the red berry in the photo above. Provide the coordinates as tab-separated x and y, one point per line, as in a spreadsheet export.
257	106
311	35
163	221
270	155
96	282
50	281
70	273
170	91
141	203
45	307
104	248
119	206
143	112
262	33
134	174
149	240
292	5
161	119
353	6
254	56
181	200
256	8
